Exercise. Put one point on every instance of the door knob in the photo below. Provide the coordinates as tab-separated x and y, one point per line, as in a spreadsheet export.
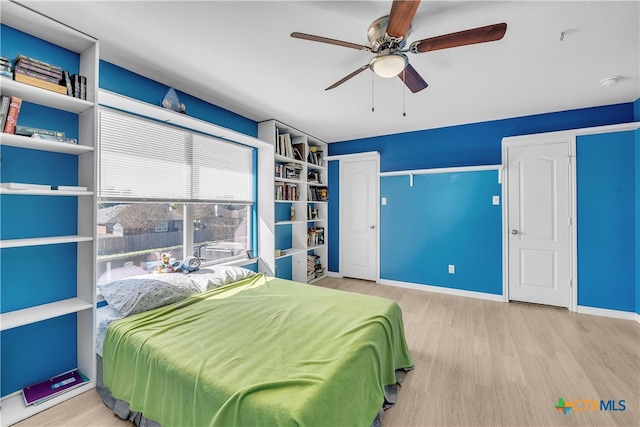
372	226
514	231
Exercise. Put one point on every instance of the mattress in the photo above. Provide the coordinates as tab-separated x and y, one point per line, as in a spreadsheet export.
262	351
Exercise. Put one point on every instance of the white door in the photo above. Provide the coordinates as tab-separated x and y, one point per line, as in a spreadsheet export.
358	219
538	223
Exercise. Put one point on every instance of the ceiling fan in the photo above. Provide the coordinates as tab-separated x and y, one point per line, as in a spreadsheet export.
388	37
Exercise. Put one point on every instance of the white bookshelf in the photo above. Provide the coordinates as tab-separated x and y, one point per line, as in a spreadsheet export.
269	131
42	144
14	319
84	301
39	241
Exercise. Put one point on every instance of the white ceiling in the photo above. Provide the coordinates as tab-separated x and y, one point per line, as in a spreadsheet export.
238	55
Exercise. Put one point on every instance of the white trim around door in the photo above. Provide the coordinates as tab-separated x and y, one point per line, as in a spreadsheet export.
374	156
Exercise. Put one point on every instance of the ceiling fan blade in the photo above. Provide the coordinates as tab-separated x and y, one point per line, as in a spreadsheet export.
461	38
344	79
400	17
412	79
327	40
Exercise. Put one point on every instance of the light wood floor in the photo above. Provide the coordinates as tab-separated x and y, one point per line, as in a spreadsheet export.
480	363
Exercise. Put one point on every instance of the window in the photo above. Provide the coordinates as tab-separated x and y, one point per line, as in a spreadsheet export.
221	231
166	189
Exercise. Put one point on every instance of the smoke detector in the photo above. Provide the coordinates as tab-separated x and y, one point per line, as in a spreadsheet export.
610	81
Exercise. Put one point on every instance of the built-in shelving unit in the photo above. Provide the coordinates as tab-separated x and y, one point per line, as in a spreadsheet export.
300	192
29	316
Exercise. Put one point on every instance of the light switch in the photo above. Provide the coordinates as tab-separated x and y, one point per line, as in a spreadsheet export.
384	201
496	200
452	269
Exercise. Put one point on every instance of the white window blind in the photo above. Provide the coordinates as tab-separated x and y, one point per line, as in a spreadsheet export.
141	159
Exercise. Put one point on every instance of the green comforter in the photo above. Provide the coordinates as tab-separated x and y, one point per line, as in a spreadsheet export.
260	352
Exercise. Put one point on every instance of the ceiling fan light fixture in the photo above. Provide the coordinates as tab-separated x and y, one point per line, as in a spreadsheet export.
388	65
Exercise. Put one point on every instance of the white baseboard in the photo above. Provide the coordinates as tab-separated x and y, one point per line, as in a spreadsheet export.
442	290
617	314
334	274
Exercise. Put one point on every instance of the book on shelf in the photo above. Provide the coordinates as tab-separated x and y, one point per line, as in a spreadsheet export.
313	177
24	64
68	188
286	191
28	131
5	67
79	86
66	79
298	152
32	81
315	236
314	267
288	170
24	186
22	59
35	394
4	110
312	213
284	147
12	115
315	157
55	138
317	194
34	74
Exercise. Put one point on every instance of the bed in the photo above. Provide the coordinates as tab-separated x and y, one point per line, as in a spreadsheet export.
249	350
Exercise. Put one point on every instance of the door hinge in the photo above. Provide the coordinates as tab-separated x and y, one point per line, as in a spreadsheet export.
570	283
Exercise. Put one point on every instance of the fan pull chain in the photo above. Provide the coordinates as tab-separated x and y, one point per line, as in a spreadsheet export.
372	94
404	92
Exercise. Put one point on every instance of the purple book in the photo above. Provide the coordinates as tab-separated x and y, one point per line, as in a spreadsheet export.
47	389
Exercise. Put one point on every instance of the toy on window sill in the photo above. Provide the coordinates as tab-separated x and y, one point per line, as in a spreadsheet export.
190	264
169	265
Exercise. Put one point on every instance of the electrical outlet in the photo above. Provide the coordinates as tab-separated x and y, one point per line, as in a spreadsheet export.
452	269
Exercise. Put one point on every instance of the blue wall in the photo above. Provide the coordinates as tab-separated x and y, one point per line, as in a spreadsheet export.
476	143
445	218
119	80
333	211
637	181
606	189
25	357
469	145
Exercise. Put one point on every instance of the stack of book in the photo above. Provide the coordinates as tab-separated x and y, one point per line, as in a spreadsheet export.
37	73
51	77
315	236
286	191
289	170
5	67
314	267
313	177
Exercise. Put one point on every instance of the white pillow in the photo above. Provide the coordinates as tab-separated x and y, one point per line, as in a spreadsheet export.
213	277
141	293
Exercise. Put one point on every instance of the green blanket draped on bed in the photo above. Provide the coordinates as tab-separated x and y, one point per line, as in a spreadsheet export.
260	352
